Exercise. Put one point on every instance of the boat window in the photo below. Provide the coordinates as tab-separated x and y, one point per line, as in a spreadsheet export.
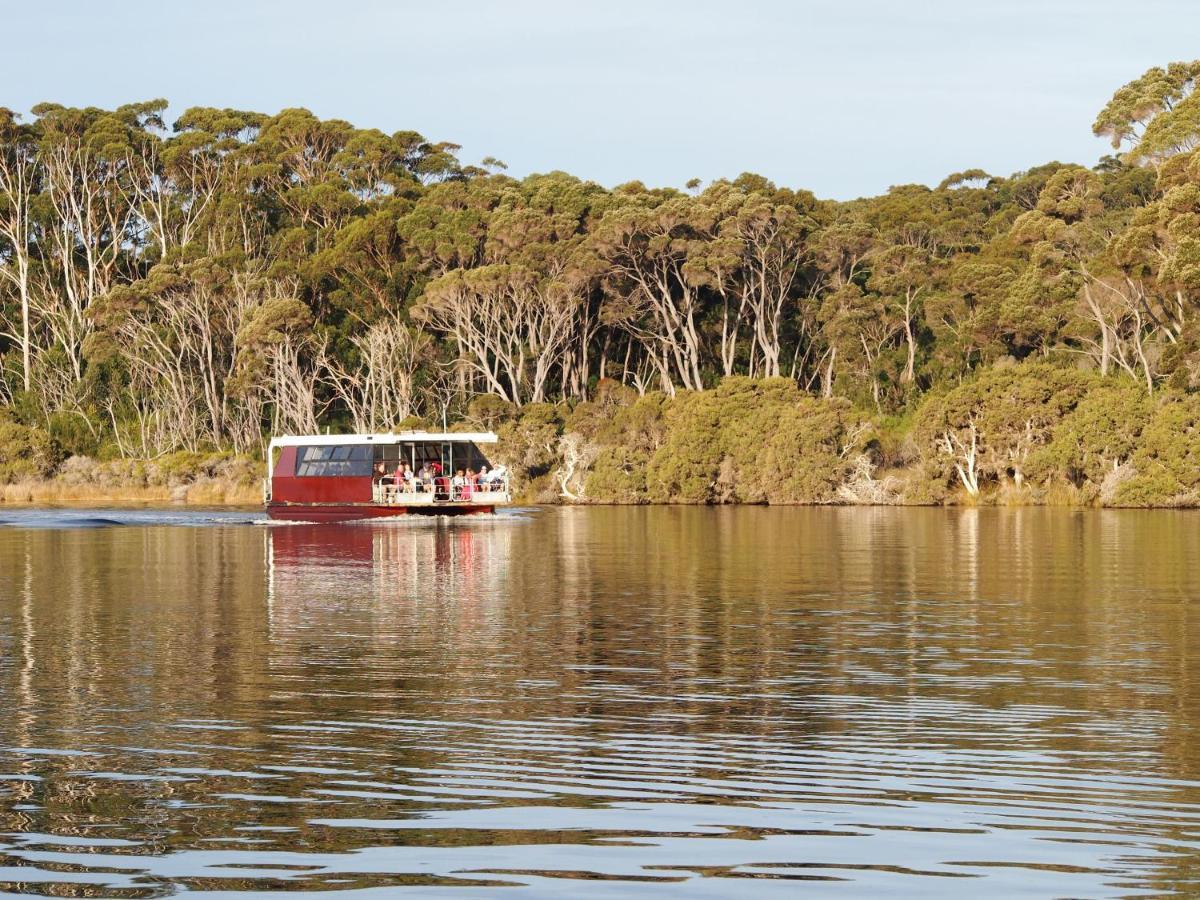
391	454
426	454
338	461
475	458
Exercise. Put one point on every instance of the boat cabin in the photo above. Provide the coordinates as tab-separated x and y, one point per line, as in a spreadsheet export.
351	476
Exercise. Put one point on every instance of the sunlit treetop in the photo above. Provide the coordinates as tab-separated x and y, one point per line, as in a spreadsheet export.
1156	115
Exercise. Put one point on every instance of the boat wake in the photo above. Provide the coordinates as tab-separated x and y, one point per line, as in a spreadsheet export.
113	518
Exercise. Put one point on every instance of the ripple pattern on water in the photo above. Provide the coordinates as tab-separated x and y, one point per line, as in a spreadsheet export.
605	702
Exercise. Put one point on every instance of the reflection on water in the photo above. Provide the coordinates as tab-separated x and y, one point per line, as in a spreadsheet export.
604	701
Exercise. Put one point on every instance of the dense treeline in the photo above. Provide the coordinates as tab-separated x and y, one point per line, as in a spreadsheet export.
197	287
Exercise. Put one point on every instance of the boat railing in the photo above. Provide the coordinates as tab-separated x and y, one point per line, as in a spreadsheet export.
387	492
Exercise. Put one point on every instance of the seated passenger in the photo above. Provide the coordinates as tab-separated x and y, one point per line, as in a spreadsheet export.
457	484
484	479
499	477
409	480
424	478
472	483
380	481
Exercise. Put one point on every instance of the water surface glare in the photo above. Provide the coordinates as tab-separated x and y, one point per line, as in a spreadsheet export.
602	702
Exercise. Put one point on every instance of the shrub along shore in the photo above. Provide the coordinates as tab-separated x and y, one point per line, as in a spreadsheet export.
33	471
1016	434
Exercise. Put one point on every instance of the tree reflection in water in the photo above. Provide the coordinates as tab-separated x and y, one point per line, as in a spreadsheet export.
901	698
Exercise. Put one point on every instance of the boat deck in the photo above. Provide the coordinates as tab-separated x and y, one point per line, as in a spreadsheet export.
384	494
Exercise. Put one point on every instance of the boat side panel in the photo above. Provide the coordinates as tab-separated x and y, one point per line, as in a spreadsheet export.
287	487
285	466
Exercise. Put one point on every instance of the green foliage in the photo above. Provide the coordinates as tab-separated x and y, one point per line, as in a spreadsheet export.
1097	437
26	453
996	423
628	437
244	273
1158	113
746	440
529	442
1167	459
74	434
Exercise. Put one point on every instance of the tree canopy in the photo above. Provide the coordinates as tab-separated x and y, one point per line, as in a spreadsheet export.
202	283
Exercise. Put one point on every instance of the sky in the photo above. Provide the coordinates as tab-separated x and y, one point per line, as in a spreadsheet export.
842	98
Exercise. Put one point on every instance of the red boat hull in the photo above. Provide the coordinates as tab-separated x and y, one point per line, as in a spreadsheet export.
350	512
353	511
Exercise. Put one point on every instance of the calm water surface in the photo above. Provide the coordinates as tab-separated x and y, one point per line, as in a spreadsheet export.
602	702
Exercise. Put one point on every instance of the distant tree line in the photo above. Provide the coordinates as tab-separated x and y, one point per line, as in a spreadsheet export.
203	285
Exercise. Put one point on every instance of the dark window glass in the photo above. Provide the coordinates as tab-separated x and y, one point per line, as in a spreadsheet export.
337	461
389	453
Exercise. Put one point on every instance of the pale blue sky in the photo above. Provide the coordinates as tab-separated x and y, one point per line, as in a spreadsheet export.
844	98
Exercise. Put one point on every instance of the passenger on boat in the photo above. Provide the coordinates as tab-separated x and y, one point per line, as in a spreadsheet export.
472	484
458	485
425	478
381	481
484	479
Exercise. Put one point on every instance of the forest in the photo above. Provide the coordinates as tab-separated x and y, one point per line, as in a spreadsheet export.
174	293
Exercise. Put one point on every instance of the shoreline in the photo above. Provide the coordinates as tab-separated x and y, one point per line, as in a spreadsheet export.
52	493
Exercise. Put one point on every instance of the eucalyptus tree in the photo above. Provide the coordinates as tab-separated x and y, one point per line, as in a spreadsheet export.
91	233
178	333
759	262
20	178
378	383
178	182
1157	115
644	243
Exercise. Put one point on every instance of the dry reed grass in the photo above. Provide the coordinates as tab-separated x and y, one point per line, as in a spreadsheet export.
205	492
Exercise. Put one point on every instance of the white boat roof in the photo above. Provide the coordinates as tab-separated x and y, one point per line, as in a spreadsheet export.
440	437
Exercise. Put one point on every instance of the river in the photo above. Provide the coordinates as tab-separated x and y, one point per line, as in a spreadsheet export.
602	702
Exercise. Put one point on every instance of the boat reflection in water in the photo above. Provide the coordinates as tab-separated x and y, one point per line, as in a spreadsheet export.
393	566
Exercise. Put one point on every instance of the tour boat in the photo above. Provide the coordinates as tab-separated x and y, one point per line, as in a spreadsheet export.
342	477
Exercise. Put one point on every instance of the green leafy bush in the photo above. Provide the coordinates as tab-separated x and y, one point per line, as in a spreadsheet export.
992	428
1097	437
26	452
747	441
1167	460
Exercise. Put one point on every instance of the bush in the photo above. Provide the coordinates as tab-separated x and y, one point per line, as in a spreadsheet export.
489	412
1167	461
26	452
528	446
628	437
75	435
747	440
1097	437
999	422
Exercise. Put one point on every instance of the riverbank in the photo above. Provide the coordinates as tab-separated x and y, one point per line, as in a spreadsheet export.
52	492
1033	434
195	479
